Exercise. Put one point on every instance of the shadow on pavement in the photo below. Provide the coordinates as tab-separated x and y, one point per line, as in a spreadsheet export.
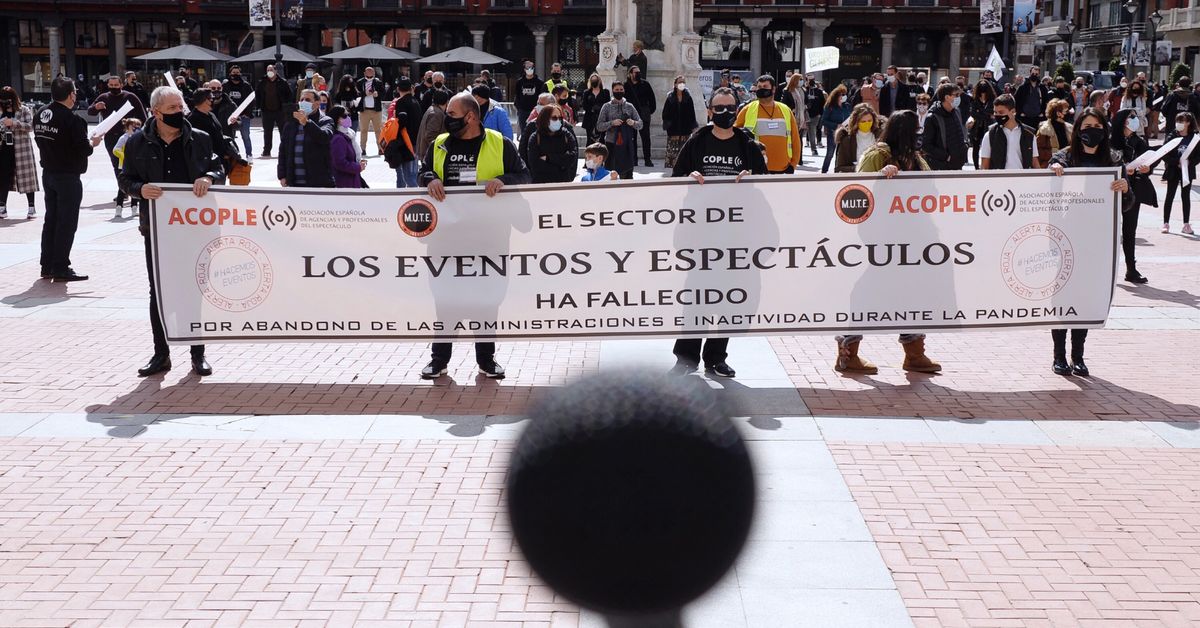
1178	297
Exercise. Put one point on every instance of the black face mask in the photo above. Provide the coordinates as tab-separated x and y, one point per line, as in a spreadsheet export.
1001	120
438	84
114	90
455	126
618	95
1091	137
764	92
595	83
236	78
217	97
556	75
429	81
563	101
173	120
724	120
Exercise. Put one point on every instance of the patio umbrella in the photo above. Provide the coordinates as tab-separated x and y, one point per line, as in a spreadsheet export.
185	52
291	55
370	52
464	54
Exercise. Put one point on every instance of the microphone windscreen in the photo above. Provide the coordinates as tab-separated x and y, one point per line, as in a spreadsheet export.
631	493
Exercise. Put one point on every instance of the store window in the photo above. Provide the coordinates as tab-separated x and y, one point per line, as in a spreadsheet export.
32	34
91	34
151	35
725	45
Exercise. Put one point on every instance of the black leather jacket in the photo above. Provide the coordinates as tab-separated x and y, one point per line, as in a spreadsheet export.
145	161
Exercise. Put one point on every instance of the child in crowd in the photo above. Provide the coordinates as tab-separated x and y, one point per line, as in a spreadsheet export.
131	126
594	157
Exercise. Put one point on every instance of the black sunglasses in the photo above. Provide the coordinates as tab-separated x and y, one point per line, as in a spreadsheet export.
724	109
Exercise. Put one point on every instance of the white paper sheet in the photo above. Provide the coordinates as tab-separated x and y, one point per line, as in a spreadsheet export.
112	119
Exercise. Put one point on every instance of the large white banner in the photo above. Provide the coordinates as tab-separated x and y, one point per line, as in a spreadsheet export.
665	258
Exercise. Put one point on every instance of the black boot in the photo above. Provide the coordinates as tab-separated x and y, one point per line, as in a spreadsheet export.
160	363
1132	275
1078	339
200	366
1060	357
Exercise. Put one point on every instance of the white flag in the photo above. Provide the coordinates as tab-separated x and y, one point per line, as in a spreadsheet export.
823	58
995	64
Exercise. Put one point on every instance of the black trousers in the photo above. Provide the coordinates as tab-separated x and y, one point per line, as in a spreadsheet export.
1078	338
156	325
64	193
1185	197
485	352
688	350
110	141
1129	221
272	120
644	134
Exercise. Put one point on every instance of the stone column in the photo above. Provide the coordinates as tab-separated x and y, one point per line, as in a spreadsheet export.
539	47
337	39
1026	42
118	46
756	26
54	40
414	46
257	39
814	35
887	41
183	35
477	32
956	41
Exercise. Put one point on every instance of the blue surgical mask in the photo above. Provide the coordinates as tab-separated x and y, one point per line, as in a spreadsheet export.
556	125
305	106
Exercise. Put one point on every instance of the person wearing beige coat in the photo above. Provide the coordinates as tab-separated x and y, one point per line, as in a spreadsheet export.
1054	134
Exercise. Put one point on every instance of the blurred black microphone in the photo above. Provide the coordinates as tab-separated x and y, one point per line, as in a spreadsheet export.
631	494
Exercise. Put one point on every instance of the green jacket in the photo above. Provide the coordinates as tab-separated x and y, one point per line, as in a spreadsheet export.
879	156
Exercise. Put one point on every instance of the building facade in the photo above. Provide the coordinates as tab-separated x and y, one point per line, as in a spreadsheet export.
93	37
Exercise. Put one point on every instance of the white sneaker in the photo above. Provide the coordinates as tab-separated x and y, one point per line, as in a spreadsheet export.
249	159
1166	227
32	213
1187	228
118	213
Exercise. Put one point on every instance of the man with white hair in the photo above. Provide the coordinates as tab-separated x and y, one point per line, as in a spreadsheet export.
167	150
439	84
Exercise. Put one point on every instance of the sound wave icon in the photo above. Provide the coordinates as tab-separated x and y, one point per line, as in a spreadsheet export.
1005	203
283	218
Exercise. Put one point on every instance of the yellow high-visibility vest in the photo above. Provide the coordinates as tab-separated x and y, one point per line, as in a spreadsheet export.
489	164
751	124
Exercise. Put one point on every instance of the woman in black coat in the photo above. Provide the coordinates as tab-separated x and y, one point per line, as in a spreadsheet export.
1185	127
591	101
679	119
981	115
346	95
553	152
1091	147
1127	139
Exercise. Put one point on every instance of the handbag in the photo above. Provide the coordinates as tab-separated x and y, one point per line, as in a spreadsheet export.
239	173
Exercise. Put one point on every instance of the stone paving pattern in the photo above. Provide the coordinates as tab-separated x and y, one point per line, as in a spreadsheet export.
311	528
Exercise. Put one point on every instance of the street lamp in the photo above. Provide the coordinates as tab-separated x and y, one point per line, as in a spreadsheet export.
1132	7
1066	32
1155	19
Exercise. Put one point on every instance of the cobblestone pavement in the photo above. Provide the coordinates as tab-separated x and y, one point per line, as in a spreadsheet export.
307	484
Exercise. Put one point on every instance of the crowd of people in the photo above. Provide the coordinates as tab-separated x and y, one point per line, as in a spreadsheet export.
888	122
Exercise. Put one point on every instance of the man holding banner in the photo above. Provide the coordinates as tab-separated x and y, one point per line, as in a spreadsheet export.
469	155
167	150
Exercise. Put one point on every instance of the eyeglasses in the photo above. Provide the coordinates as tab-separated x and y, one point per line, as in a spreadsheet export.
724	109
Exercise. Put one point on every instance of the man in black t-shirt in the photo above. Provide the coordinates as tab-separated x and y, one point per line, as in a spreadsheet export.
717	150
465	155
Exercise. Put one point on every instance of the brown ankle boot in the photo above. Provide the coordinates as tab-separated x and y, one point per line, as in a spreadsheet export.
916	360
848	360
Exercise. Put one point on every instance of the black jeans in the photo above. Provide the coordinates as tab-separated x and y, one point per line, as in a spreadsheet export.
64	193
688	350
1185	197
270	121
485	352
1129	220
156	325
644	133
1078	338
110	141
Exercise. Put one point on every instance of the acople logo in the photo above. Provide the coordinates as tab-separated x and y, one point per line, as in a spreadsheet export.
854	204
417	218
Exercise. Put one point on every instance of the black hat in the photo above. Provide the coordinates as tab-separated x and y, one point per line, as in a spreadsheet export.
311	65
482	91
404	83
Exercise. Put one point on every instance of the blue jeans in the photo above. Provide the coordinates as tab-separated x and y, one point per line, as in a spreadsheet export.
244	129
406	175
830	149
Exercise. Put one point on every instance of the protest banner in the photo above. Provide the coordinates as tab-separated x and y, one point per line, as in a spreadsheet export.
821	59
661	258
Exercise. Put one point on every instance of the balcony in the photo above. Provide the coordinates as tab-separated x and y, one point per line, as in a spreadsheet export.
1179	19
445	4
508	5
1107	35
382	4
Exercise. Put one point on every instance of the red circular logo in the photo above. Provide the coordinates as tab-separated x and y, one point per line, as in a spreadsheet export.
417	218
854	204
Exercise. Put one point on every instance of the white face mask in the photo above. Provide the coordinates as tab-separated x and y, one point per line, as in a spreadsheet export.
878	83
922	108
591	164
271	73
555	126
1133	124
528	71
1181	127
681	86
309	74
841	100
